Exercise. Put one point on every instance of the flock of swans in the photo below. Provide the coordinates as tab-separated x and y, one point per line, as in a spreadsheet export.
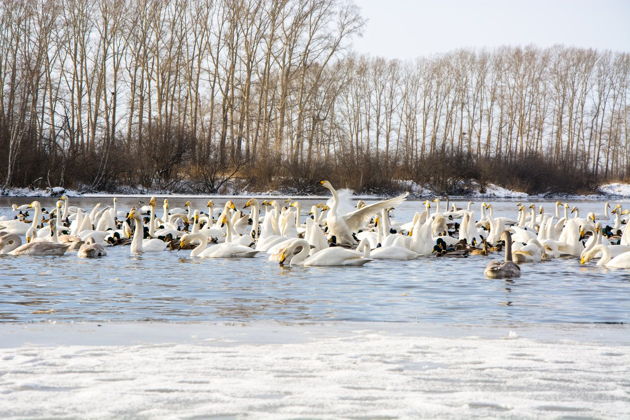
332	235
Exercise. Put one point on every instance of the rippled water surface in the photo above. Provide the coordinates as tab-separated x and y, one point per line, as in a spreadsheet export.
171	286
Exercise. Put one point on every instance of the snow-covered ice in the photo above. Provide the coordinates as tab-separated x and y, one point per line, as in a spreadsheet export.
345	370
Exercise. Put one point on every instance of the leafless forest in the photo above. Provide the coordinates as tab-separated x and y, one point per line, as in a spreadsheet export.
186	94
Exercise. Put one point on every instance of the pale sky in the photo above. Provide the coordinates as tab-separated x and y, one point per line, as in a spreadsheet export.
411	28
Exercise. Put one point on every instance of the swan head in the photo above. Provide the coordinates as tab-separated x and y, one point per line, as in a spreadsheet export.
250	202
34	205
133	215
230	205
152	202
210	203
326	184
187	204
166	203
283	256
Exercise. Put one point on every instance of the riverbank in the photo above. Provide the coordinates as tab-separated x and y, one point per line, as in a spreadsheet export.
604	191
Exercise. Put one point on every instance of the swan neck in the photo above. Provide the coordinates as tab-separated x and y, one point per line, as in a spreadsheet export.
303	254
36	217
65	209
138	234
203	244
255	221
364	248
228	230
508	247
152	222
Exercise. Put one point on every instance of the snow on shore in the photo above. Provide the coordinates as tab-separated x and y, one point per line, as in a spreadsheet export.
616	189
496	191
37	192
314	371
613	190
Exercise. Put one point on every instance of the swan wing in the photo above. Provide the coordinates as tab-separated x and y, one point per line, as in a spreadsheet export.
393	253
620	261
359	218
153	245
335	256
41	248
229	250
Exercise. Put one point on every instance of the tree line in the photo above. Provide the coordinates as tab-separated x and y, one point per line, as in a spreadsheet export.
102	93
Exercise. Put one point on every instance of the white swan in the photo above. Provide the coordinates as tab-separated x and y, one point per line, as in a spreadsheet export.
298	254
138	244
343	226
224	250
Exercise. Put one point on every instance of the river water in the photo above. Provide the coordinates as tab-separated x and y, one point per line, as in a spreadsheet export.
173	287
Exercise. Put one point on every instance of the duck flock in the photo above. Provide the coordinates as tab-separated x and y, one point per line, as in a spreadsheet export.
332	235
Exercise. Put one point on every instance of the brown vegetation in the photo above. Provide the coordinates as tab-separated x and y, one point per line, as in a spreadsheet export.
98	94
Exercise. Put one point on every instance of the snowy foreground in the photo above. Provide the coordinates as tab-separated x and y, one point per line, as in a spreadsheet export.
340	370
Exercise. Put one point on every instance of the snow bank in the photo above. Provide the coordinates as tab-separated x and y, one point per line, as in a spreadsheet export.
496	191
415	189
616	189
47	192
276	371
